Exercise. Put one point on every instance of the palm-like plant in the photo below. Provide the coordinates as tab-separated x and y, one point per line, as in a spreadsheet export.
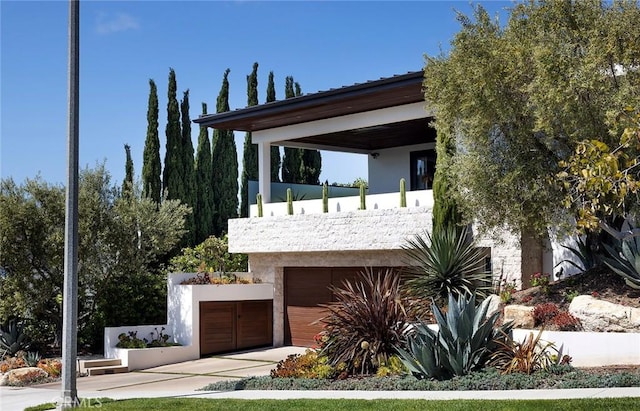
368	320
587	257
444	263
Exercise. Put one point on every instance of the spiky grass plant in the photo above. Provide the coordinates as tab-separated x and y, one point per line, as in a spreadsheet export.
527	356
369	318
444	263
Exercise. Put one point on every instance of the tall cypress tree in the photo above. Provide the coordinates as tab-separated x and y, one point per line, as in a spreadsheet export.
127	184
311	167
151	167
250	151
275	150
203	208
172	176
310	160
445	209
225	167
187	194
292	160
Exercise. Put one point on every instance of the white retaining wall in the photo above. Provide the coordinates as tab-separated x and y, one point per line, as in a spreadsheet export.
591	349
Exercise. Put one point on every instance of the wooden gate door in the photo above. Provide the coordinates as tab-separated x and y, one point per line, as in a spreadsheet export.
235	325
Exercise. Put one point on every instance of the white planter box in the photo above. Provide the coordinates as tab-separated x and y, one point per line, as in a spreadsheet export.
230	292
592	349
142	358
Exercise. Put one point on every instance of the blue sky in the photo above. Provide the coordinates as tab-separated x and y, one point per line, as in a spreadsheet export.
123	44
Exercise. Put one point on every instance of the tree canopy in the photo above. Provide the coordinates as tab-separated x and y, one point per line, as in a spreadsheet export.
121	244
520	99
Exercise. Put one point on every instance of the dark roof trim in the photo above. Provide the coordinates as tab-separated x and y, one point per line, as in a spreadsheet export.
308	101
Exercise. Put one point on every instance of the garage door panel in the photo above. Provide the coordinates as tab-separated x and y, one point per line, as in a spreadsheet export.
304	324
308	287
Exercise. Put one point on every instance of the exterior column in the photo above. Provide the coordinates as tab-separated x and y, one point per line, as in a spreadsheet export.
264	171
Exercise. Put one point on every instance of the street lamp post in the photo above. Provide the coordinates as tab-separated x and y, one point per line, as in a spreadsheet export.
70	290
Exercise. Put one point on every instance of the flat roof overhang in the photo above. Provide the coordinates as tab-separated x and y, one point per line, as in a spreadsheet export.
373	95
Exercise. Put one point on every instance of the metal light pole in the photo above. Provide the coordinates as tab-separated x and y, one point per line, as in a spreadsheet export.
70	291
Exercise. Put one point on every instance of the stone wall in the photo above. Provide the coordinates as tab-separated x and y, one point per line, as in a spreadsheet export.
344	231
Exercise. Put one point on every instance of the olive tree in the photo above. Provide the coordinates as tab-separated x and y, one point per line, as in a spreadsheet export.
121	245
520	98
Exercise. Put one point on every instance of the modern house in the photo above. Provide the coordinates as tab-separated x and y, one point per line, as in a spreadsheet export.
302	254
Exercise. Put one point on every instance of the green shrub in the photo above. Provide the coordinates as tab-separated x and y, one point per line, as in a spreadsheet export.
131	340
369	319
445	263
212	255
394	366
160	339
482	380
307	365
465	339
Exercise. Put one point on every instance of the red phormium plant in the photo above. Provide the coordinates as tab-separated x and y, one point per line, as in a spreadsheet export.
368	320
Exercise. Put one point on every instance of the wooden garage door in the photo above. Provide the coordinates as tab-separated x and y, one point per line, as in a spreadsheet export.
235	325
306	288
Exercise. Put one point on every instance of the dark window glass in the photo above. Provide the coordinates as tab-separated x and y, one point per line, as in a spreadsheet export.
423	168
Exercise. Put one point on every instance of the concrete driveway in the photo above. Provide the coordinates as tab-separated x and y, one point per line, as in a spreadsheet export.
179	379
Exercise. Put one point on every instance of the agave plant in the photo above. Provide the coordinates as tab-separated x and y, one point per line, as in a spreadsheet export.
13	337
31	358
445	263
464	341
369	319
624	260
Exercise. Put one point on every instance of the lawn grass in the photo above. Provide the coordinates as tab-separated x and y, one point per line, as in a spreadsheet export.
200	404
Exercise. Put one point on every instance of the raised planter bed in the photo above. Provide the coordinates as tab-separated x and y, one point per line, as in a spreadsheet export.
183	321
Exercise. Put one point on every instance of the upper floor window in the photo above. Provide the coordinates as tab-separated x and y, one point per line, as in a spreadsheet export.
423	169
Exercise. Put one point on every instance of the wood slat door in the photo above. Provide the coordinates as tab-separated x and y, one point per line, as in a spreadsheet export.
255	324
217	327
235	325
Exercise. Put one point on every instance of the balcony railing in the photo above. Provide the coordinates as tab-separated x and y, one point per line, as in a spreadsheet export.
421	198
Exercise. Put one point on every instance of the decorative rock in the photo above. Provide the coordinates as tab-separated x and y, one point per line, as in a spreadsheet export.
24	375
600	315
4	378
494	304
521	315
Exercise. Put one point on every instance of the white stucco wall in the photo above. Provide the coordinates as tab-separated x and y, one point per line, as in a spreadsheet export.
386	170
